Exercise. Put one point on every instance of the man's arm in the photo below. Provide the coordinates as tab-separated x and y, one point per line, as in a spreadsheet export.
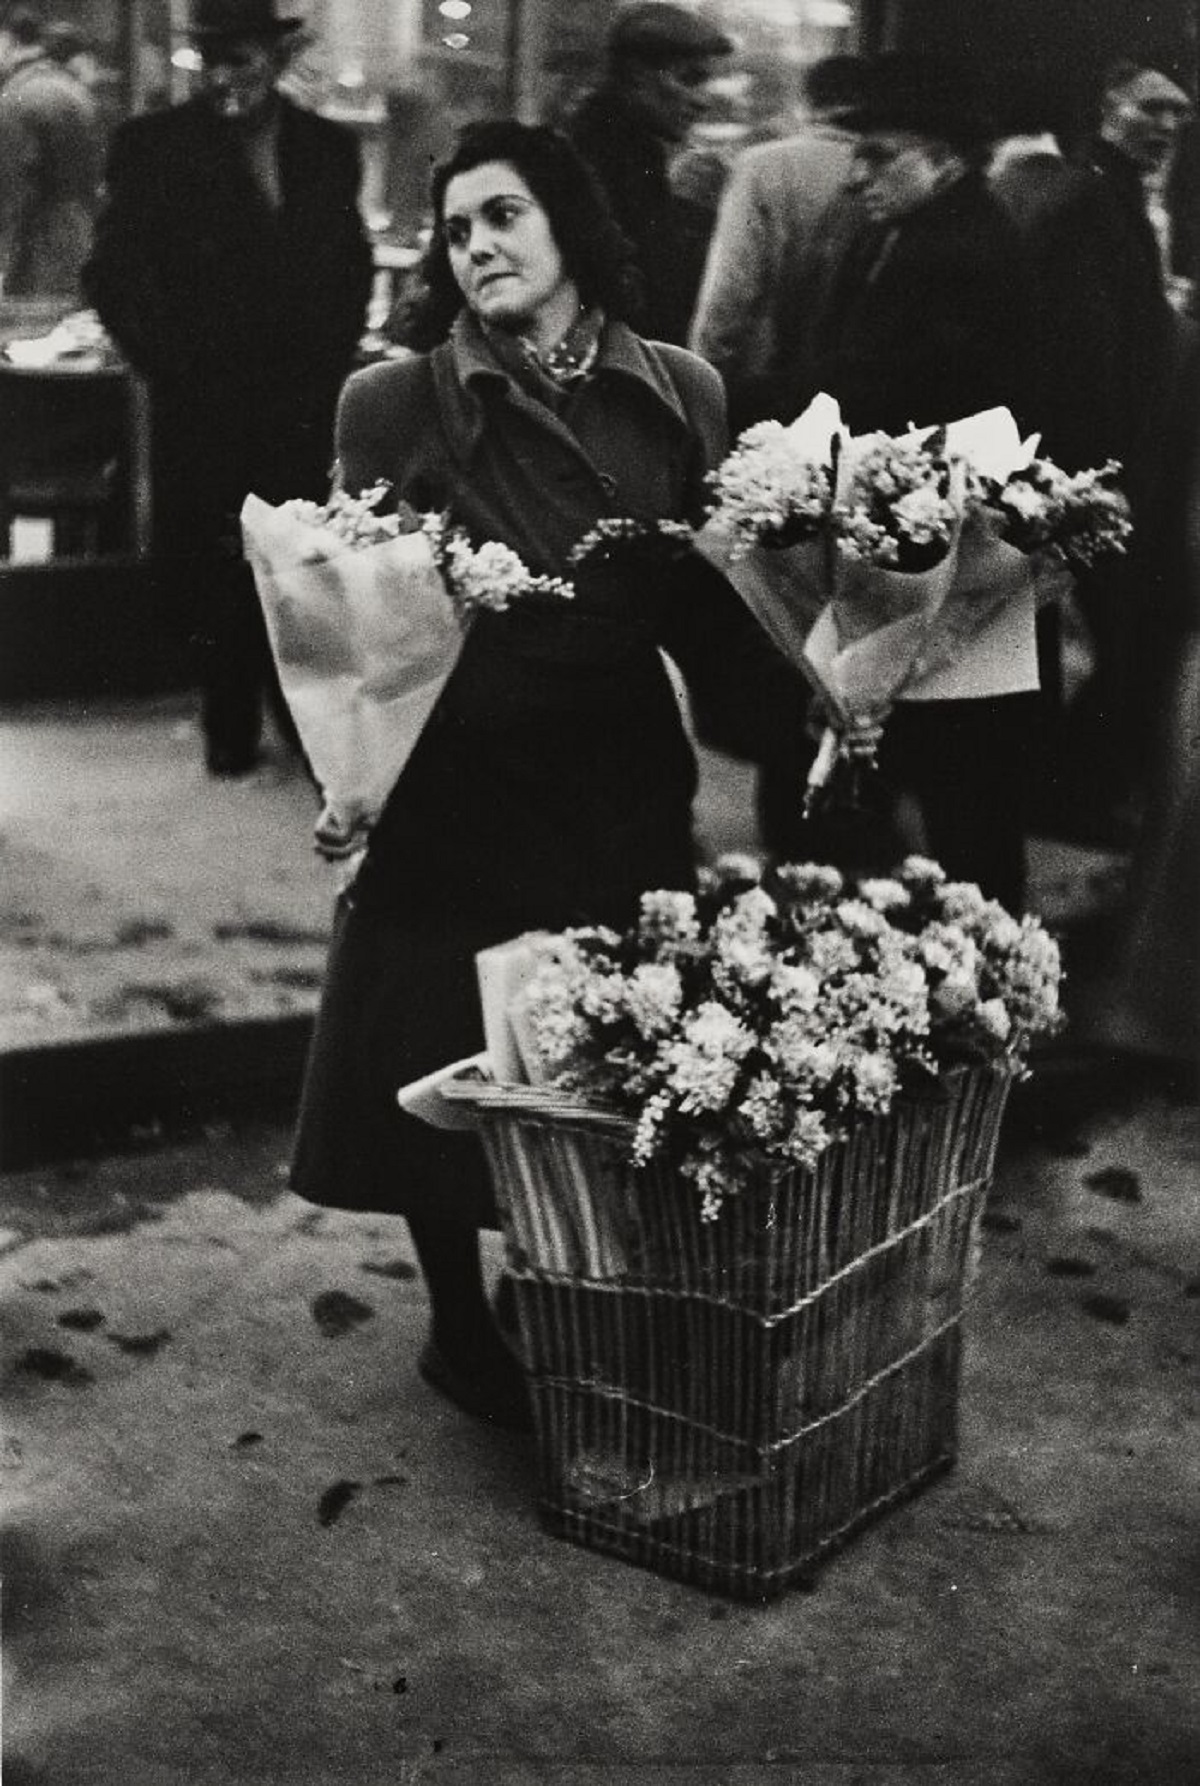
123	277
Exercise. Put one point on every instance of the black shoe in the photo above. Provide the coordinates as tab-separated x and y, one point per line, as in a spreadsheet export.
228	764
495	1390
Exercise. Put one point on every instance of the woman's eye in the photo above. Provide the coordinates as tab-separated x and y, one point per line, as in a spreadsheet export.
502	216
457	234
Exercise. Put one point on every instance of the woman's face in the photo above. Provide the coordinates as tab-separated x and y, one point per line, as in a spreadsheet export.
503	254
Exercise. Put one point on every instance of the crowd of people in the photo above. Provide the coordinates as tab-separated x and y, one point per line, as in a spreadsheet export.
588	325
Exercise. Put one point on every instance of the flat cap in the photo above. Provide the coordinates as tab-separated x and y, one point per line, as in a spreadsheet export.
658	32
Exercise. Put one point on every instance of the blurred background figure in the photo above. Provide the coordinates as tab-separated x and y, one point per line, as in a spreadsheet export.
773	233
927	315
660	61
1109	343
927	311
1142	113
50	159
1150	1006
232	267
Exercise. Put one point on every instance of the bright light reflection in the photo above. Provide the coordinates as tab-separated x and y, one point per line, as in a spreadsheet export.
457	40
187	59
455	9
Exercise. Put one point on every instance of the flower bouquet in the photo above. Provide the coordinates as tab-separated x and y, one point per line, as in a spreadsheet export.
903	568
366	610
752	1024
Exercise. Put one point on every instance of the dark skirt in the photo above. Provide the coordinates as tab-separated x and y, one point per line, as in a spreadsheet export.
401	999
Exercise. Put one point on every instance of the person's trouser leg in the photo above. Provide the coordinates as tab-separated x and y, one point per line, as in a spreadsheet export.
233	669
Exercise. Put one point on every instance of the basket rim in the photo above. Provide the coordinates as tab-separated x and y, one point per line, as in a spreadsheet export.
476	1088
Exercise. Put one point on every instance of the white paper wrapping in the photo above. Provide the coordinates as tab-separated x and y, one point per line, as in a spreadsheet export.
364	641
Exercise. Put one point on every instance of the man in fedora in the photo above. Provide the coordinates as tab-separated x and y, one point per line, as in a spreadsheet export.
928	316
231	265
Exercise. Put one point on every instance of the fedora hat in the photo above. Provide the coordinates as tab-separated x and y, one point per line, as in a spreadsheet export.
927	95
238	18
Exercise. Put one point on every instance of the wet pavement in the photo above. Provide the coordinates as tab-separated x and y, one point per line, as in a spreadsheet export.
244	1542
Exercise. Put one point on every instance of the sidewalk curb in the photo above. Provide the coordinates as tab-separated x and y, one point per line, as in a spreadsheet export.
68	1099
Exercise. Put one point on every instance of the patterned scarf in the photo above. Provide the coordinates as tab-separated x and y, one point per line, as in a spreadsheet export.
551	375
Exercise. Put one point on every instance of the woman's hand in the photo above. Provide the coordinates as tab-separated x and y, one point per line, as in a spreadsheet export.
337	839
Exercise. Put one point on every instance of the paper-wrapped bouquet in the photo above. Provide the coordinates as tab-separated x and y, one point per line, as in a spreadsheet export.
903	567
366	608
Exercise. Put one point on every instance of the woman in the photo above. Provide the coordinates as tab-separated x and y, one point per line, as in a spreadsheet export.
553	783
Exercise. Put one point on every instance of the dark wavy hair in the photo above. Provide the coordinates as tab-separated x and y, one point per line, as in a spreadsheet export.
596	253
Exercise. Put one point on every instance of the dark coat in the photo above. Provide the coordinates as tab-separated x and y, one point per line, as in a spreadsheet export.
923	322
244	319
554	782
1120	352
929	318
669	233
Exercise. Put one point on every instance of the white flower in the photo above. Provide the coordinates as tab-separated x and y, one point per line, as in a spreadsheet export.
801	1057
922	871
766	486
740	936
1004	933
831	953
796	986
884	895
874	1082
861	919
994	1017
1026	501
703	1065
809	1138
648	1133
737	865
962	900
653	995
602	997
762	1107
668	918
923	514
810	880
747	959
488	576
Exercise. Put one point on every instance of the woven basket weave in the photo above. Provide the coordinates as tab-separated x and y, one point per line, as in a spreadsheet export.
726	1402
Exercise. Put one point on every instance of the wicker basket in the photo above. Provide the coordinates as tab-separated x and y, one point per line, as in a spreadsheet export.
726	1402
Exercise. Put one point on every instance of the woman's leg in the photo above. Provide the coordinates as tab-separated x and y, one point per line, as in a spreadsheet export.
466	1357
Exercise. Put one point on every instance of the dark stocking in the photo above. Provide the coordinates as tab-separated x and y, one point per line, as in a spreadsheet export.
467	1358
448	1253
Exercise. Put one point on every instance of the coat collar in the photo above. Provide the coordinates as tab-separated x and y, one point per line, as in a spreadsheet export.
464	369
